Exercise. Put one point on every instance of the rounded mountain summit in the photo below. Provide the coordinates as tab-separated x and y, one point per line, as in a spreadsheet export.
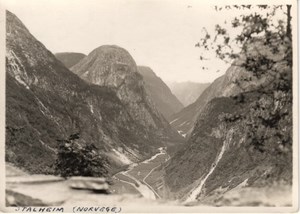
107	65
114	67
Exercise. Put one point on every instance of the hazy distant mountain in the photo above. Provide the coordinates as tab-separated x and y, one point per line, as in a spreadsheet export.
187	92
46	102
166	102
114	67
69	58
184	120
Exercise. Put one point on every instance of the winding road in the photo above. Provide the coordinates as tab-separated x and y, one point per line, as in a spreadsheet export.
150	187
139	172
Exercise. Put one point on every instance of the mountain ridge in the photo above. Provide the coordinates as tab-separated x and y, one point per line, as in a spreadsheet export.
165	102
187	92
114	67
69	58
224	85
46	102
164	99
242	137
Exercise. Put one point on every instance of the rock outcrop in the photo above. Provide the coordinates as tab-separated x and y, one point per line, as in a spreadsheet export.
114	67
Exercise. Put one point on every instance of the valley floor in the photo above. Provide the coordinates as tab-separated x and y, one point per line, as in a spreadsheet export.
138	176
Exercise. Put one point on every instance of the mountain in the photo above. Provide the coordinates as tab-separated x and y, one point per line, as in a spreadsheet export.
46	102
161	95
241	140
184	120
114	67
69	58
218	157
187	92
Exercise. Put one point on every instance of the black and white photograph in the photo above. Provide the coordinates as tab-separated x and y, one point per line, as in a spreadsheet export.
149	106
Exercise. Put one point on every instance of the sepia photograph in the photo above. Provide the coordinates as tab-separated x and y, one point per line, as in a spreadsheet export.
153	106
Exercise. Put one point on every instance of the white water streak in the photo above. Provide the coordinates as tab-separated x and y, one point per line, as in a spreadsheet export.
193	195
173	120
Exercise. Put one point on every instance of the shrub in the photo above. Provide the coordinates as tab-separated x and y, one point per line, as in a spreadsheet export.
77	160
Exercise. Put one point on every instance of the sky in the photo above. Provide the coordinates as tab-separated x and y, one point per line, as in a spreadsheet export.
158	34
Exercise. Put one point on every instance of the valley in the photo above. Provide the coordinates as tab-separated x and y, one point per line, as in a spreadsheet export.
94	126
138	175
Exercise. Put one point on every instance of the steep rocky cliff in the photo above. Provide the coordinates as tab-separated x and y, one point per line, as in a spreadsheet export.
220	156
240	140
69	58
46	102
114	67
165	101
187	92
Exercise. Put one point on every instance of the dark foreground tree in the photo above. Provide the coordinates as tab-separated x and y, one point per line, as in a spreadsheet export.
269	23
76	160
260	43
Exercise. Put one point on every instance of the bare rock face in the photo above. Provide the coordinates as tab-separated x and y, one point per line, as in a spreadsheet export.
114	67
164	100
46	102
